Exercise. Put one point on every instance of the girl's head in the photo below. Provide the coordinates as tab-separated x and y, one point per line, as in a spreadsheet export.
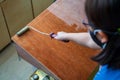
104	16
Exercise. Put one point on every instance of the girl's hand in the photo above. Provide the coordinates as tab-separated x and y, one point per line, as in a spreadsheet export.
61	36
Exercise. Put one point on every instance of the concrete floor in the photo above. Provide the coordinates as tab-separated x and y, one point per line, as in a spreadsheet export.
11	68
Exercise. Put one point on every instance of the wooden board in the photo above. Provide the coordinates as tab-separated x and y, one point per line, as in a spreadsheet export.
68	61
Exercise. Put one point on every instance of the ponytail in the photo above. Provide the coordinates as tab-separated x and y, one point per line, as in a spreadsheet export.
111	53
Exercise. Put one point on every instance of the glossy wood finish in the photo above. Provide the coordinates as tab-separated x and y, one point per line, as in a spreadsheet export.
70	11
67	61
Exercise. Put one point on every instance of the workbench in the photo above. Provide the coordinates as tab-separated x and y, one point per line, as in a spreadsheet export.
62	61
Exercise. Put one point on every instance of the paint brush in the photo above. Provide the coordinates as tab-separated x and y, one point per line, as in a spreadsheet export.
26	28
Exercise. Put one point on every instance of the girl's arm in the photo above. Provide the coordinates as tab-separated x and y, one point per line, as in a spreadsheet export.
80	38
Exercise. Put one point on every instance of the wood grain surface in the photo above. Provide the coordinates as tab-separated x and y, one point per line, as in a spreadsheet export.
68	61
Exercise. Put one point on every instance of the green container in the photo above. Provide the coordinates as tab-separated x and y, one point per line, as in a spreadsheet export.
40	75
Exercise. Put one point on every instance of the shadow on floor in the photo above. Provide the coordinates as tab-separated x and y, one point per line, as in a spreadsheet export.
11	68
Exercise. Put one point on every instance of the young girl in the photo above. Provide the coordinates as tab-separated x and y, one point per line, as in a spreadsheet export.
104	33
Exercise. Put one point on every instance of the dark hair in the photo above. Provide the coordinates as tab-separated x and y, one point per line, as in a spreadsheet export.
105	15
